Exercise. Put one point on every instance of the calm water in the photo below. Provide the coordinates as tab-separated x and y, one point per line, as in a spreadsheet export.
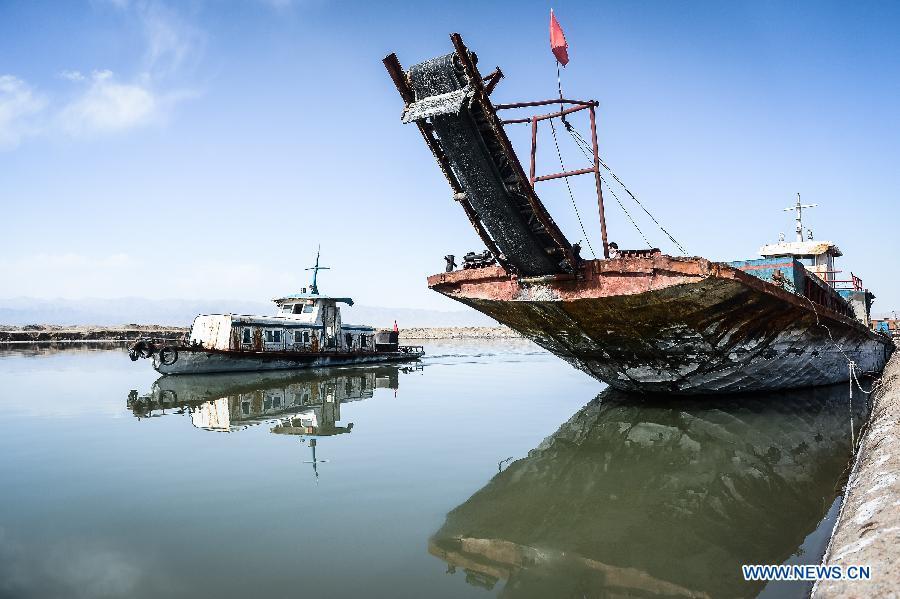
489	469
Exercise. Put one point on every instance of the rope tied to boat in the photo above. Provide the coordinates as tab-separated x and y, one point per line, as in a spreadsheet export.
854	377
850	363
852	432
854	468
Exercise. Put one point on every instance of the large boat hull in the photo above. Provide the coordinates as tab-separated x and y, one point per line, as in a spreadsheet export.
191	360
675	325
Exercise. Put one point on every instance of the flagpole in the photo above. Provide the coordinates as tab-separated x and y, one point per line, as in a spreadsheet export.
559	87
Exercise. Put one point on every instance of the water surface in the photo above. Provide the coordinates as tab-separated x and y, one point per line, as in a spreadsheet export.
489	469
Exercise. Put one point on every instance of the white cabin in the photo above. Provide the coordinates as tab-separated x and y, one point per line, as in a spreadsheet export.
305	322
817	256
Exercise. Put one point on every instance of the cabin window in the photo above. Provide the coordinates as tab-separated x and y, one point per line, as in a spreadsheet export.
363	341
245	336
308	308
273	336
349	339
277	336
245	408
298	308
305	336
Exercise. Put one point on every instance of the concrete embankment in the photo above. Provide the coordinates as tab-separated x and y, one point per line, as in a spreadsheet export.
868	529
124	333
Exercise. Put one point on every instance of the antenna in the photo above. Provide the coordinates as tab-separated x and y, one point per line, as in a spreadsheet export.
314	461
314	289
799	208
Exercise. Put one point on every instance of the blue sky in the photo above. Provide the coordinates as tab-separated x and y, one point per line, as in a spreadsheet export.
204	149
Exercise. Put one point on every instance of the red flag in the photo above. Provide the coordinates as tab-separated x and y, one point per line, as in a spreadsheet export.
558	43
396	328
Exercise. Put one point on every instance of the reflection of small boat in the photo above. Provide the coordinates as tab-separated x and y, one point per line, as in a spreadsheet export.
633	497
305	402
307	332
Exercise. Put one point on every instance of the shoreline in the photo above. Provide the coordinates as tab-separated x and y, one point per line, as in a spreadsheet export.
867	531
13	335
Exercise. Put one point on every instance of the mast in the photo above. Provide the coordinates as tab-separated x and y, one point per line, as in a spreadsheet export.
315	462
798	207
314	289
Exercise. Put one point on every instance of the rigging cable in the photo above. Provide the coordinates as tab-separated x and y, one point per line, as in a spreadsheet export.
583	145
562	166
569	186
621	205
626	212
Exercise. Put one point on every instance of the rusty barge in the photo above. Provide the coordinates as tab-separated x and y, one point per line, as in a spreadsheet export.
638	320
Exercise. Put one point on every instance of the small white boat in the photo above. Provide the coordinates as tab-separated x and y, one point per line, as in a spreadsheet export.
306	332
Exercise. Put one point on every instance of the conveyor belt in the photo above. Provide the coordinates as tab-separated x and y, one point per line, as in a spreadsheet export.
446	97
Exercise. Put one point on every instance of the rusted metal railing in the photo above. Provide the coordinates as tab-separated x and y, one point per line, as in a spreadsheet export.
854	282
573	106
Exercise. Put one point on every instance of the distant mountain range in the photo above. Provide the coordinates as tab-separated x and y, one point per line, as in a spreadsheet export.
178	312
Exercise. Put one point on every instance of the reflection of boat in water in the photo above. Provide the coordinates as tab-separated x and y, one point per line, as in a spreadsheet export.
300	402
631	497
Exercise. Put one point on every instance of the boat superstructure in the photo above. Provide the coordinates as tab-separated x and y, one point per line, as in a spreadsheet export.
306	331
638	320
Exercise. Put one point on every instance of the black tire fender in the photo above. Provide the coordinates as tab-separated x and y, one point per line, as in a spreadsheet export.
168	355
